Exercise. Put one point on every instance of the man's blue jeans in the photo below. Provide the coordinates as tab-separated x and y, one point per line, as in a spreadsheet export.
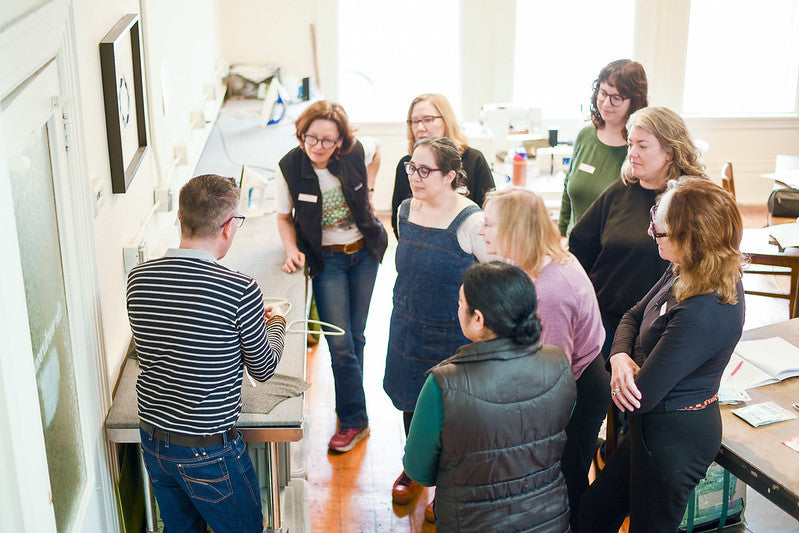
195	486
343	292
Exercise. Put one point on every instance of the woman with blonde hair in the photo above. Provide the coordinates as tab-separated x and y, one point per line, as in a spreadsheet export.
669	353
610	241
431	115
518	228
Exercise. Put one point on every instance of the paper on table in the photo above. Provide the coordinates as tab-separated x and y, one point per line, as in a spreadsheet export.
729	395
792	443
776	356
740	375
764	413
785	234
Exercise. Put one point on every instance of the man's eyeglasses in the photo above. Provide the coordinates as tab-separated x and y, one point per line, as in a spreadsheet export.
238	218
615	99
427	121
422	171
312	140
655	234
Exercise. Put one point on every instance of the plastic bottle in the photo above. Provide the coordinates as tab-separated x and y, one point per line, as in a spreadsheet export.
520	168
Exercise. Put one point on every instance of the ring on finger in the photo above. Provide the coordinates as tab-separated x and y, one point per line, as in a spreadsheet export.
615	391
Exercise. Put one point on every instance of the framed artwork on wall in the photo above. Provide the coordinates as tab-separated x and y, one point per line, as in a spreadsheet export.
123	95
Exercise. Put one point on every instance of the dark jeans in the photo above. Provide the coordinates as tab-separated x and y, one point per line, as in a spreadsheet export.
593	399
651	475
343	293
198	486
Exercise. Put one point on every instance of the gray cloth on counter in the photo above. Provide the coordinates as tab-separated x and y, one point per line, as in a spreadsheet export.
270	393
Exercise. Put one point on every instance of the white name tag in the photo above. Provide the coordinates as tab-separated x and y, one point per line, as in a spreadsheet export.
585	167
307	198
663	308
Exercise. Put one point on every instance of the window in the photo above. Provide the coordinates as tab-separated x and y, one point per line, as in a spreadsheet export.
743	58
390	52
562	46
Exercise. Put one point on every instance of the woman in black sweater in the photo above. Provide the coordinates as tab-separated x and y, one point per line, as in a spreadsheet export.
668	356
430	115
610	241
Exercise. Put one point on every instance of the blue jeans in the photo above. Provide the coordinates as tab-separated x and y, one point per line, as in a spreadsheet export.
198	486
343	292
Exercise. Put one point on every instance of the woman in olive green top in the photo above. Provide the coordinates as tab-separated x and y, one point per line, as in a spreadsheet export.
600	149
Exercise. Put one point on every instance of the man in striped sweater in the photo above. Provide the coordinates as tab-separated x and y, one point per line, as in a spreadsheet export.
197	325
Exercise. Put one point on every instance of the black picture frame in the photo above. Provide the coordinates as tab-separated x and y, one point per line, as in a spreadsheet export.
123	97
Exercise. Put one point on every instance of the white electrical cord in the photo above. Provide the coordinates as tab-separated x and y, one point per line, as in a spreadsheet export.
285	305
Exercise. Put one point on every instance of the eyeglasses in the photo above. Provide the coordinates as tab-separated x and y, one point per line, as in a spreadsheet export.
655	234
615	99
238	218
312	140
422	171
427	121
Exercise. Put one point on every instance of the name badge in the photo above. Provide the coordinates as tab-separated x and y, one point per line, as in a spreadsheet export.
358	187
663	308
585	167
302	197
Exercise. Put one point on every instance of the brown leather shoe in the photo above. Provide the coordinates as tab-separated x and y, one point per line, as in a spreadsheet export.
429	513
404	489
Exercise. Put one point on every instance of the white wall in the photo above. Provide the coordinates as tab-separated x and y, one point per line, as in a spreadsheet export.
184	32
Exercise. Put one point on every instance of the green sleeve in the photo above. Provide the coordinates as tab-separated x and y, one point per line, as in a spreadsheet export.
565	207
423	445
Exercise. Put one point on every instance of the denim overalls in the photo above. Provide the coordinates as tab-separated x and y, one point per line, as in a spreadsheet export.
424	324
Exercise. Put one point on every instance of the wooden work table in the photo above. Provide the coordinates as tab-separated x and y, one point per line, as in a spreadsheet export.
757	455
257	252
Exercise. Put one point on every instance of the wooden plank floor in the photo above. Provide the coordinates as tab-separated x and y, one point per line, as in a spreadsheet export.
352	491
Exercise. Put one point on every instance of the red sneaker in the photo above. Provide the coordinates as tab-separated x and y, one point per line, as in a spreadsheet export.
345	439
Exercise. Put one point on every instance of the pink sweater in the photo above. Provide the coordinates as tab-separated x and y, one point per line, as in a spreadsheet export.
569	313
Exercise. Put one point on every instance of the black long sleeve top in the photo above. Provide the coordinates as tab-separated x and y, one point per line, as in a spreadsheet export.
681	347
479	180
612	245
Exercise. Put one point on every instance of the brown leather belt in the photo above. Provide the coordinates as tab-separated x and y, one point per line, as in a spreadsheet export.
350	248
191	441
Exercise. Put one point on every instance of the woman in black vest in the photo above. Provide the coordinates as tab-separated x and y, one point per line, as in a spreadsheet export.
490	424
326	223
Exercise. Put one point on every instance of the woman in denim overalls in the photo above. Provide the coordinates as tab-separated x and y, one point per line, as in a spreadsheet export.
438	241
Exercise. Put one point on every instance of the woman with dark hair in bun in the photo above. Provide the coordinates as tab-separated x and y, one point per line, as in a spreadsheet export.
438	241
489	426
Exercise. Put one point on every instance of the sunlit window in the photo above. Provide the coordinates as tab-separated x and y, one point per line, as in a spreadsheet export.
390	52
562	46
743	58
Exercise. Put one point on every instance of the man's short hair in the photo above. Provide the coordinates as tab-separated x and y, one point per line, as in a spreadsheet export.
205	203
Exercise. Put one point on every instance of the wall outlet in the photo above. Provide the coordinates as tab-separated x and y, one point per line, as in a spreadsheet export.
182	154
134	254
166	197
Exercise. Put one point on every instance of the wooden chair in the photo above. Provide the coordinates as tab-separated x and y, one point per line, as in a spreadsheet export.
761	252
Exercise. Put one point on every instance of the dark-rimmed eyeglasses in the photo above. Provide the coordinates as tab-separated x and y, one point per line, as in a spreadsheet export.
615	99
238	218
422	171
655	234
312	140
426	120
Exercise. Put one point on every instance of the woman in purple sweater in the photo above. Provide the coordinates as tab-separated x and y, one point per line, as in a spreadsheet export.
518	229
